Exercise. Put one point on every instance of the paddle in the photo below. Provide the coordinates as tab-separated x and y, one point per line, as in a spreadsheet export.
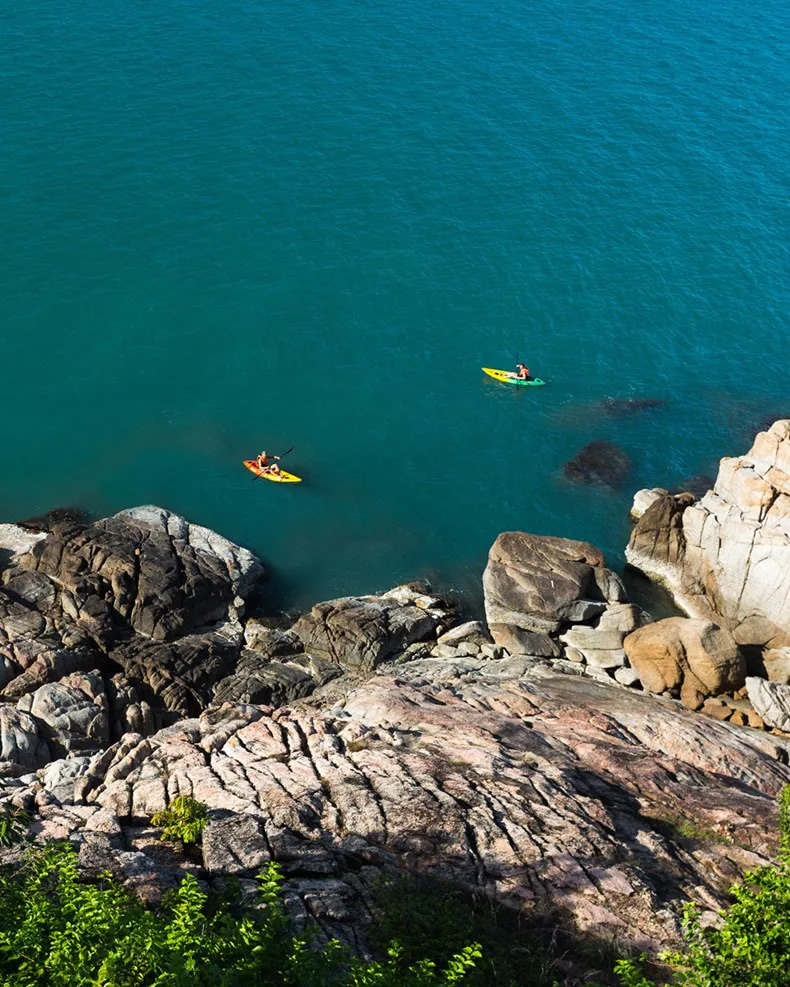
257	476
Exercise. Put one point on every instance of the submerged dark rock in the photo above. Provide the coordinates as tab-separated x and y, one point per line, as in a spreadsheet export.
621	407
57	517
599	462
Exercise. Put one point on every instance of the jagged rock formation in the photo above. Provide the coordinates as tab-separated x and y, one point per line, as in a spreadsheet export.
146	569
136	622
375	737
554	598
727	557
361	632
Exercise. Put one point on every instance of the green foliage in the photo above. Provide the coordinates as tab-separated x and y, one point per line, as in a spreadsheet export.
751	947
428	919
14	824
184	819
56	931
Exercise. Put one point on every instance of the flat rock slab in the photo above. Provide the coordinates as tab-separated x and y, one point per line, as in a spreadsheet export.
540	788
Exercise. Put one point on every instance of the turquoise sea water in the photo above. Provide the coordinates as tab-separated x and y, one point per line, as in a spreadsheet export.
309	223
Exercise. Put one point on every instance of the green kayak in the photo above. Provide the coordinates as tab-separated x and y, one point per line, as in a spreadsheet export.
508	377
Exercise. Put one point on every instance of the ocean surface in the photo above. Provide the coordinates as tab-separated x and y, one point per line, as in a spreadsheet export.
309	223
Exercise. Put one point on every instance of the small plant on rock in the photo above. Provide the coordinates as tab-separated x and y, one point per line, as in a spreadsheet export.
14	823
184	819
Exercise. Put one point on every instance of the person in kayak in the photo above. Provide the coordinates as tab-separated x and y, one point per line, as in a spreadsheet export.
522	372
265	465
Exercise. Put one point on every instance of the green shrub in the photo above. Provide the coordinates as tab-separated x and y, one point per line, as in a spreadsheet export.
56	931
184	819
751	947
14	823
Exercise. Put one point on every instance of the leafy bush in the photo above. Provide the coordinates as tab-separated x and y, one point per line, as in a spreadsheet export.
184	819
14	823
751	947
56	931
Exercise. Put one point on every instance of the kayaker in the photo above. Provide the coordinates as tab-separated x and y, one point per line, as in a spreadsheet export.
522	372
262	461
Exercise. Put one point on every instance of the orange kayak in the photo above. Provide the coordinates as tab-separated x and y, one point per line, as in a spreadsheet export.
281	477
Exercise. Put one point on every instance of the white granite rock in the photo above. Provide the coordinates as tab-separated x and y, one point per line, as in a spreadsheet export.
16	541
771	700
644	499
726	558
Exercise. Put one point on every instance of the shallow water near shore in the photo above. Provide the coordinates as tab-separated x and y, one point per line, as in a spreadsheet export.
310	224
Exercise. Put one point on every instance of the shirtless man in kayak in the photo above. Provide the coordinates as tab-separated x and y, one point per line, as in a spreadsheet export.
522	372
264	465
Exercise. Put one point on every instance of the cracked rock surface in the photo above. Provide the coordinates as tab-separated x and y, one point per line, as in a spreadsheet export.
539	788
371	740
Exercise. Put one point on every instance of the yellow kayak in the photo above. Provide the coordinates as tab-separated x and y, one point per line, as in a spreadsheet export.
281	477
509	377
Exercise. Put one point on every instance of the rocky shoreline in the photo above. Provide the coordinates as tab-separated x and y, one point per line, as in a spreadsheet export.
552	758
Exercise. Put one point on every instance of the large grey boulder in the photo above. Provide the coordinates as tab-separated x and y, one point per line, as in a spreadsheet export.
72	713
146	568
539	583
360	632
690	658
